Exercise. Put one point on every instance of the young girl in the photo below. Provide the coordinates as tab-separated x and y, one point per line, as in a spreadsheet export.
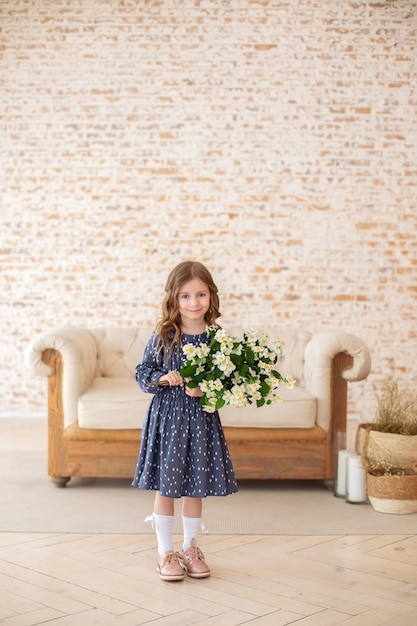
183	451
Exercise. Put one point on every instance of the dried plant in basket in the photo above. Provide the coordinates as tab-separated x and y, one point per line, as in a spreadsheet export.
391	448
396	410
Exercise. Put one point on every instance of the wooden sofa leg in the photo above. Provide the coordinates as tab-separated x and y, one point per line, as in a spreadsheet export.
60	481
57	447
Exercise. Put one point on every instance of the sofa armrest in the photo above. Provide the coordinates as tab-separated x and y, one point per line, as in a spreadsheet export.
318	361
78	351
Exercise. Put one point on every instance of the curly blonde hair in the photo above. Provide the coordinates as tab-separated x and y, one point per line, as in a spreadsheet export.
168	329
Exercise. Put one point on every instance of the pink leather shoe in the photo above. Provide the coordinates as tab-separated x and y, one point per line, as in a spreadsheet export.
169	567
193	562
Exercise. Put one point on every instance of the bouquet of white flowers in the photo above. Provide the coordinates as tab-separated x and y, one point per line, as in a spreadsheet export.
231	371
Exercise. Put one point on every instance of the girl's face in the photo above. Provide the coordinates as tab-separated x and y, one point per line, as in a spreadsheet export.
193	302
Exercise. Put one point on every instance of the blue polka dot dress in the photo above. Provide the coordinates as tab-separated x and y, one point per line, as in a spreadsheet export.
183	449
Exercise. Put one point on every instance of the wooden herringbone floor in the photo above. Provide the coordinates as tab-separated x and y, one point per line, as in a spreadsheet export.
111	579
70	579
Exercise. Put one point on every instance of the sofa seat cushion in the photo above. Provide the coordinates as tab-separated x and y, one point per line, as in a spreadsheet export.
114	403
297	411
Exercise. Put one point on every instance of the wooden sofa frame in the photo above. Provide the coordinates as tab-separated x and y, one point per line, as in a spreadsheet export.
257	453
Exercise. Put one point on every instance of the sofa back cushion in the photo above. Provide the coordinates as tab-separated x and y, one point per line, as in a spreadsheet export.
119	350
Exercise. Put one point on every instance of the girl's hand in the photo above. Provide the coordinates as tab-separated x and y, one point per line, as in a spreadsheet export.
173	378
194	392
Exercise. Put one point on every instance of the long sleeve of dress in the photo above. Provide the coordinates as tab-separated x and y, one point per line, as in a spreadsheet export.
151	368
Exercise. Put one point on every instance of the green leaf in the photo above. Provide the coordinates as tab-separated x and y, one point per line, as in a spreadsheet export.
250	357
220	403
244	370
187	371
265	389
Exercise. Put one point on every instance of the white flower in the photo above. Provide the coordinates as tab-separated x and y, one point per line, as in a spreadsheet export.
221	335
226	346
224	363
202	351
255	395
251	335
227	397
276	346
190	351
272	382
204	386
216	384
211	406
264	338
238	396
236	377
252	387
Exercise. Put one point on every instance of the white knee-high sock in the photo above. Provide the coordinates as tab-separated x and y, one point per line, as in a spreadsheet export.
191	527
163	528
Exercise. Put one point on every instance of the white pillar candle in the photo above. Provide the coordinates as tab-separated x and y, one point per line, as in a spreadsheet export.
340	490
355	480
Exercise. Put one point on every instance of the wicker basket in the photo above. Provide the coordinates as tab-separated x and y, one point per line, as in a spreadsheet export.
395	450
362	435
392	494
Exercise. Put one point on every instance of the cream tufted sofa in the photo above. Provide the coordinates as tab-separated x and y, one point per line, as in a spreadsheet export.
96	409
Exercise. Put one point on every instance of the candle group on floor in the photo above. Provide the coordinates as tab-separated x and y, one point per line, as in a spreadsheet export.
351	478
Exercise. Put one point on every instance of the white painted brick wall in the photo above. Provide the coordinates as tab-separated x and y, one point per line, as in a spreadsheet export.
274	141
